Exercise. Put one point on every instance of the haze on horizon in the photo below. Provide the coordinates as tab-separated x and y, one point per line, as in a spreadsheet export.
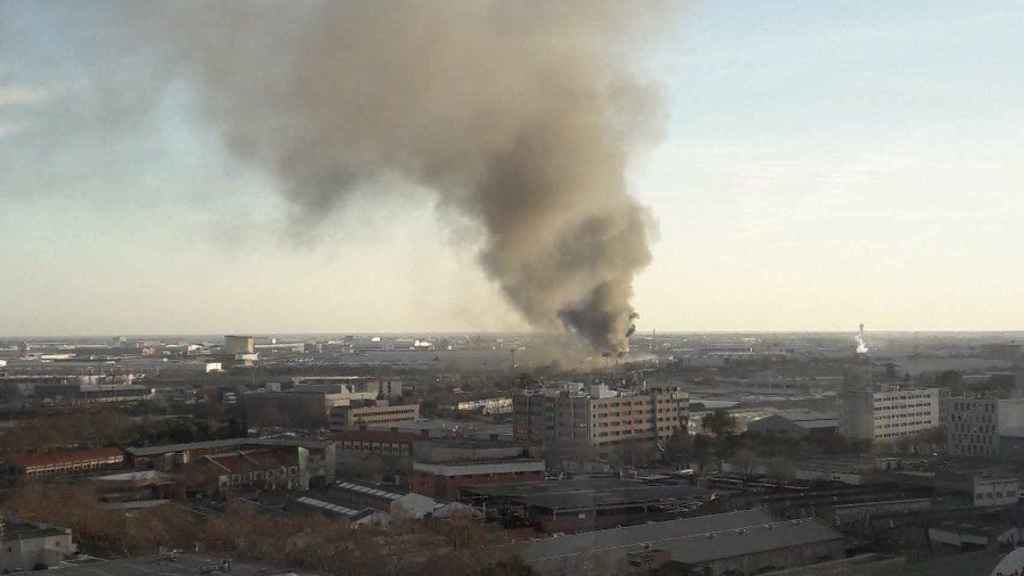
820	166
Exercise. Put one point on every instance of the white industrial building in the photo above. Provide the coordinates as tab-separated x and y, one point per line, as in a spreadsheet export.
868	412
26	546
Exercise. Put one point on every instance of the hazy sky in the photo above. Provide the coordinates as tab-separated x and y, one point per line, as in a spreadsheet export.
824	164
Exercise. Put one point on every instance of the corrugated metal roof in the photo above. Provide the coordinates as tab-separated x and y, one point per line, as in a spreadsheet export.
690	540
368	490
322	505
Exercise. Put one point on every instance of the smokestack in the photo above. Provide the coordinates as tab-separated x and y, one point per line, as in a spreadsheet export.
520	116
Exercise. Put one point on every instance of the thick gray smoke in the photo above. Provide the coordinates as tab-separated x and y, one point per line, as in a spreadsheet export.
520	115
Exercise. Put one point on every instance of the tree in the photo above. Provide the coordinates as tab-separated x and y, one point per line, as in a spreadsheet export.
781	469
678	447
745	461
513	566
719	422
702	451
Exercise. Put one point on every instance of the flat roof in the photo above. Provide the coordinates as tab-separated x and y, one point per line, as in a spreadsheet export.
689	541
225	443
180	565
28	530
588	492
385	492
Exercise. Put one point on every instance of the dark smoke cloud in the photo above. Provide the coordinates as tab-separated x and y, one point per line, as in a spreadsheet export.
520	115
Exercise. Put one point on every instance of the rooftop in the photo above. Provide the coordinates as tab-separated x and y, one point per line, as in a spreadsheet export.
226	443
176	565
16	530
64	457
588	493
246	460
385	492
690	540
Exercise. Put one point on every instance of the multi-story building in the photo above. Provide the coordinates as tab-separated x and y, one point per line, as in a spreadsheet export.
372	413
499	405
976	426
570	421
63	463
870	412
289	409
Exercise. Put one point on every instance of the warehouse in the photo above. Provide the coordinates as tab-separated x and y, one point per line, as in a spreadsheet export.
746	542
585	504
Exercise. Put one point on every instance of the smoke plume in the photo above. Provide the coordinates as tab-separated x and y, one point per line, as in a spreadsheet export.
520	115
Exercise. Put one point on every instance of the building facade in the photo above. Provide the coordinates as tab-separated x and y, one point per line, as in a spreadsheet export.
573	422
25	546
383	442
976	427
444	480
220	465
64	463
442	467
868	412
378	413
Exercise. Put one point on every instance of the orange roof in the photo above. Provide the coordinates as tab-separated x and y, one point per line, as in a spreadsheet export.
65	457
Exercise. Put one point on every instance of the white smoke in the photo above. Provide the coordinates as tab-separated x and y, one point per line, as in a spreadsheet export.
862	345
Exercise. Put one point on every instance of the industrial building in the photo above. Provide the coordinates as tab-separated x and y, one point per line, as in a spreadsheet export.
355	387
383	442
65	462
239	351
236	345
572	420
217	466
24	392
487	406
292	409
795	423
442	467
883	414
585	504
746	542
339	403
359	413
27	546
977	427
174	563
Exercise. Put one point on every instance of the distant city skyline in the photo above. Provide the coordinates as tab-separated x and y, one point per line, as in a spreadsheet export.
823	165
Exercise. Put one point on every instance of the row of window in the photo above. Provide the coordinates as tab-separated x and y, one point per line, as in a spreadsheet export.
901	416
256	475
905	424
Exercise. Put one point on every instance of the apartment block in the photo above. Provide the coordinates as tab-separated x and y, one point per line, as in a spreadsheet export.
377	413
977	427
571	420
871	412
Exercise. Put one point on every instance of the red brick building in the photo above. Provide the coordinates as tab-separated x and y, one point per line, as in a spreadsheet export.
442	467
444	480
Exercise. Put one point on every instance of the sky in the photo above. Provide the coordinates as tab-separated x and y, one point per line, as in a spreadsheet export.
823	164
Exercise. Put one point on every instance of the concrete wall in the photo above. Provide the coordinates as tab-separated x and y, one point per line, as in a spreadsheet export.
25	554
